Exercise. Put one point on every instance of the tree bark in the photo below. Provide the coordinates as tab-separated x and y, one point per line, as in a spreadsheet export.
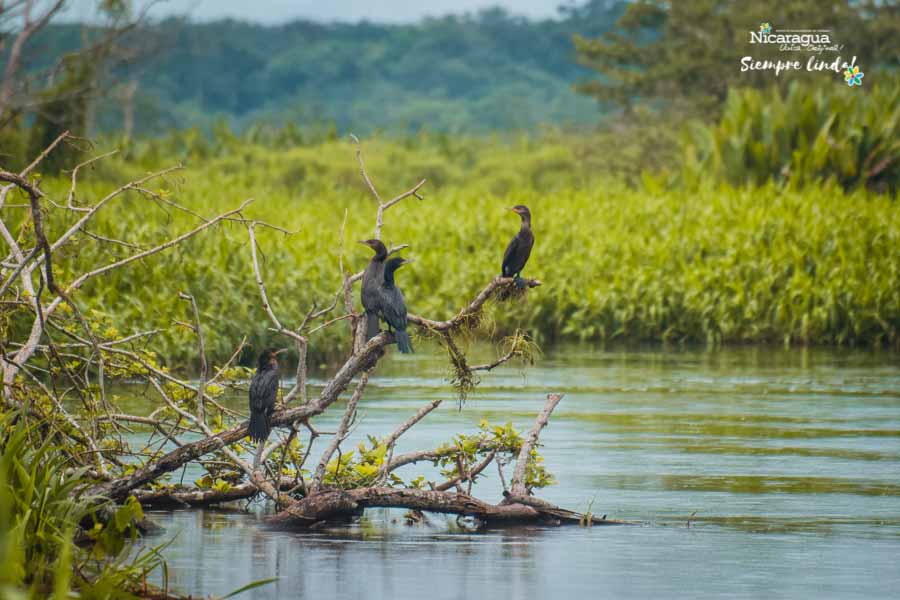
185	497
333	504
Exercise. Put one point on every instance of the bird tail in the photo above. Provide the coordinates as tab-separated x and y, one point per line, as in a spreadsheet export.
371	325
403	341
259	426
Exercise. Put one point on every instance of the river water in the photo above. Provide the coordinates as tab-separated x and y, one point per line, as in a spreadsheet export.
788	460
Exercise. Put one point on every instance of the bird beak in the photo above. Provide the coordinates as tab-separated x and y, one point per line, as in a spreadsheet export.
277	352
406	261
361	242
512	209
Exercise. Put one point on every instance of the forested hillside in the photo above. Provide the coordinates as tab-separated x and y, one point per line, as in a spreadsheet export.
483	72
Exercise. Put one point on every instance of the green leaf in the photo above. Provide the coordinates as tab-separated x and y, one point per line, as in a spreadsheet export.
249	586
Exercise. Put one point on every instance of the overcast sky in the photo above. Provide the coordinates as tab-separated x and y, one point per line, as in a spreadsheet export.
279	11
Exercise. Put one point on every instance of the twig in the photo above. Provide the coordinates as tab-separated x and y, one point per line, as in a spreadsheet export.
517	484
201	351
382	206
342	431
390	440
365	176
469	475
231	359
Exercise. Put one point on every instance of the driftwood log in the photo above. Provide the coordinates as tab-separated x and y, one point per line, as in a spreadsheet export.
333	504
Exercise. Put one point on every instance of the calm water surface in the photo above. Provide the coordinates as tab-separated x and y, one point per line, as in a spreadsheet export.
788	460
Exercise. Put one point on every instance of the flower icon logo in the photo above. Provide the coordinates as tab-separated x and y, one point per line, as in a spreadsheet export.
765	28
853	76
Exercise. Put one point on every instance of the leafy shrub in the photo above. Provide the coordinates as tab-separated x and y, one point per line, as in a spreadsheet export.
41	513
849	135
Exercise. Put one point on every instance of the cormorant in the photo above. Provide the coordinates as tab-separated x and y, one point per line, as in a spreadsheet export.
393	305
371	286
519	248
263	393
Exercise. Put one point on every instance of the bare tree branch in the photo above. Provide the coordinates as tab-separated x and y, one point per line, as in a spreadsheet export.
14	61
473	309
517	485
201	351
343	430
382	206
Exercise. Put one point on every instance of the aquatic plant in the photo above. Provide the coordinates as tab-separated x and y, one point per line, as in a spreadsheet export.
55	541
804	136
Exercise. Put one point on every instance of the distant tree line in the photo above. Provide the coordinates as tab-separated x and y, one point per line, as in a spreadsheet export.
477	72
654	62
686	55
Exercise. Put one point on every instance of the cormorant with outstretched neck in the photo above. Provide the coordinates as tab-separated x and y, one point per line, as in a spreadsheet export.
519	248
263	393
393	305
372	279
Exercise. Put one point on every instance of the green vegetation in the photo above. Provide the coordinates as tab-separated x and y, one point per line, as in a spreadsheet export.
478	72
41	512
804	136
640	236
360	468
685	56
771	218
489	71
714	264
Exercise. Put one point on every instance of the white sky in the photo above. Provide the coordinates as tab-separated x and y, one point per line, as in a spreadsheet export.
279	11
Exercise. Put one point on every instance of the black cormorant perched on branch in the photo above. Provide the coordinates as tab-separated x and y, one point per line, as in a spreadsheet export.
393	305
263	393
519	248
371	286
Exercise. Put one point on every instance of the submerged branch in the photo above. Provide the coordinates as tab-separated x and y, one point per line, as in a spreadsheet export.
332	504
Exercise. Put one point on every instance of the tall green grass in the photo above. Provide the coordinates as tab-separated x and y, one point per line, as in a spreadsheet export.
42	514
816	265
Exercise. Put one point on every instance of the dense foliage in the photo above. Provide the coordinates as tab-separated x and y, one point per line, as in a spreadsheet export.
718	264
42	514
486	71
686	55
803	136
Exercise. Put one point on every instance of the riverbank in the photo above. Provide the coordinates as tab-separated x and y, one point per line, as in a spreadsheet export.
716	265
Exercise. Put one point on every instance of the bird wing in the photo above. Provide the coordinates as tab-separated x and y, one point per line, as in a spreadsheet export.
511	251
370	295
264	391
393	308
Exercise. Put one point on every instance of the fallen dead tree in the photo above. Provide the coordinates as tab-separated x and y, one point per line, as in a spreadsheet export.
331	504
192	426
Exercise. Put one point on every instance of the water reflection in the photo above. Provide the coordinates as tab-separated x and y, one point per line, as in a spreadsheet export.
785	464
751	484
